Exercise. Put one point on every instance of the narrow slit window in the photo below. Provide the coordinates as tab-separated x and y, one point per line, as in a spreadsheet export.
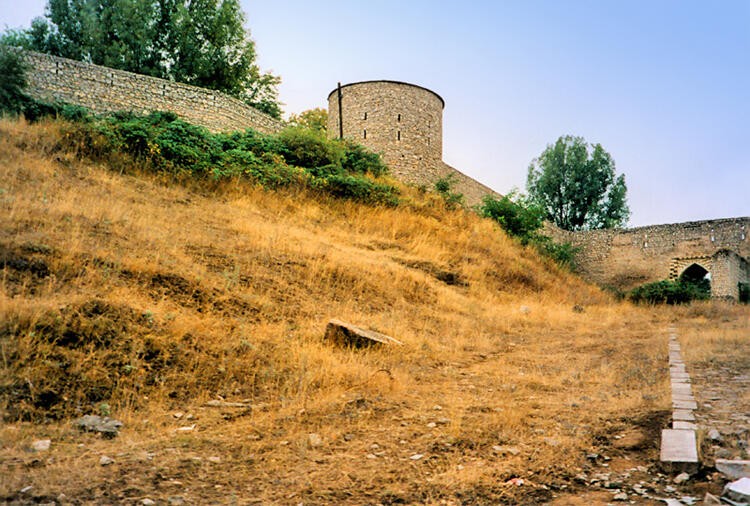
364	116
399	135
399	118
364	133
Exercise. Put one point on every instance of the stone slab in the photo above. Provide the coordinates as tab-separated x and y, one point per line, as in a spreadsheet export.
677	397
684	425
684	405
679	449
683	415
346	334
734	469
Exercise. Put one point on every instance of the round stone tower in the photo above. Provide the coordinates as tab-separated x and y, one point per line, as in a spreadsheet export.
403	122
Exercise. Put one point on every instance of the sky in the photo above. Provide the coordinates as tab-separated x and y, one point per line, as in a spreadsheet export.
663	86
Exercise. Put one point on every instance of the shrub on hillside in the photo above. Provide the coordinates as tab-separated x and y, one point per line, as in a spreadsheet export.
308	148
668	292
519	220
444	188
13	70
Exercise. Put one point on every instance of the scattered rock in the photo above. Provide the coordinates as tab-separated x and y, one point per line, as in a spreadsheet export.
148	502
506	449
431	425
215	403
176	500
681	478
524	309
443	421
714	435
578	309
711	500
620	496
41	445
104	425
314	440
178	414
187	428
738	490
346	334
214	460
416	456
734	469
26	490
106	461
551	441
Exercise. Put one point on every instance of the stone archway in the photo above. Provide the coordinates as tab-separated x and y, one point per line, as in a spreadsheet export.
697	276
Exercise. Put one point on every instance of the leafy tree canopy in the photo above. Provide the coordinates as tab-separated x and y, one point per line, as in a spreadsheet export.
314	119
575	185
199	42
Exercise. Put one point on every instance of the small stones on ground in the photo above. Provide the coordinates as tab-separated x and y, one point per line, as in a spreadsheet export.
178	414
524	309
734	469
431	425
437	407
26	490
187	428
107	427
176	500
106	461
681	478
738	490
711	500
147	502
371	456
314	440
214	460
620	496
443	421
551	441
41	445
714	435
416	456
506	449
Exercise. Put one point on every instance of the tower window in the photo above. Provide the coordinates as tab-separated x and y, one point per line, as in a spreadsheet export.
364	116
399	135
399	118
364	134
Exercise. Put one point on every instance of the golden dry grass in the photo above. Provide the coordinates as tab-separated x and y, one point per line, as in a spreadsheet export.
154	298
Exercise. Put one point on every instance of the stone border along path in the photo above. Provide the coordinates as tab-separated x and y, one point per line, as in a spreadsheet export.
679	447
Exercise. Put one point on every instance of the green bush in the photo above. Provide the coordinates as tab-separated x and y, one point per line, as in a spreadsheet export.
514	217
295	158
444	188
309	148
668	292
13	71
563	254
360	189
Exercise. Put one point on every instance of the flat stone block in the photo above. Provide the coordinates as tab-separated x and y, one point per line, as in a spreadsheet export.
683	415
679	449
683	398
685	405
684	425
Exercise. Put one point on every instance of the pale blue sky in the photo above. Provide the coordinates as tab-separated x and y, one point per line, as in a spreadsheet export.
664	85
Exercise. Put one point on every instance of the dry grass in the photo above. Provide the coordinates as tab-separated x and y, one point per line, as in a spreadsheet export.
154	298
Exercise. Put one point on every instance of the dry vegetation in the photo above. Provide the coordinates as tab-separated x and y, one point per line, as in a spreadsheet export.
147	299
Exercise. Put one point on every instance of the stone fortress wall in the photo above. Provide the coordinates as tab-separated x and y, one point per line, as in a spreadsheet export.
404	123
103	89
623	259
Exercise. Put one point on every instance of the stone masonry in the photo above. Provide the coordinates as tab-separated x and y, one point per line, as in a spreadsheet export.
103	89
404	123
623	259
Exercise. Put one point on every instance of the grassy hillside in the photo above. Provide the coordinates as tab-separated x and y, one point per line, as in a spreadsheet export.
123	293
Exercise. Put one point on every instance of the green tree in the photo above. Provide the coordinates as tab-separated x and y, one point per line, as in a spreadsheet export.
12	81
576	186
314	119
199	42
